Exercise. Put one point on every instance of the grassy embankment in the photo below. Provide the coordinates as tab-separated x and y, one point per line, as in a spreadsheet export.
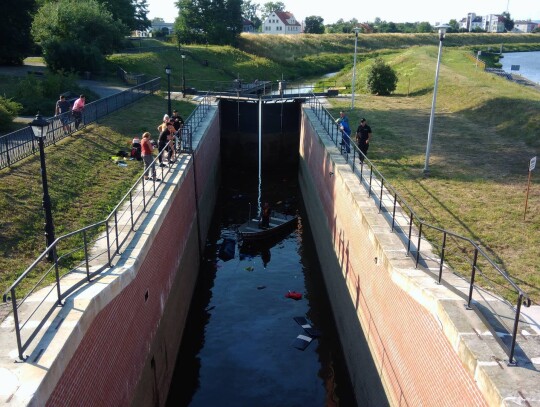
485	131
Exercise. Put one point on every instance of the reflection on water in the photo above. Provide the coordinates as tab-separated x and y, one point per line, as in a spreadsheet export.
237	348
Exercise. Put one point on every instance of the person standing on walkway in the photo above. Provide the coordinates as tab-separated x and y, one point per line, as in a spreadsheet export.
363	136
147	156
78	109
343	124
62	109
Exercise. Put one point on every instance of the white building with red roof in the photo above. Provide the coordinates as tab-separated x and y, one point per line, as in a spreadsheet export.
281	22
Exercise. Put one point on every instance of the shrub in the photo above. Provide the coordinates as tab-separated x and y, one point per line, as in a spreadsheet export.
381	78
8	110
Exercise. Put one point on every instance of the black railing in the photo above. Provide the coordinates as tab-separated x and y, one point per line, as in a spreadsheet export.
100	242
21	143
468	259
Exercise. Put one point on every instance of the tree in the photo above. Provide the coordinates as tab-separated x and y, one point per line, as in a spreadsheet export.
250	11
271	6
142	22
158	20
381	78
121	10
508	22
15	23
424	27
314	25
454	26
75	34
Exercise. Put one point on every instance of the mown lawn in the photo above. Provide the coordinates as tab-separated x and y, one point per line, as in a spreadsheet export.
486	130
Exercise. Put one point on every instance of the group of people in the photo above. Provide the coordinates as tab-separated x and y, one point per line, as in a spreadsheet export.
363	135
63	107
170	132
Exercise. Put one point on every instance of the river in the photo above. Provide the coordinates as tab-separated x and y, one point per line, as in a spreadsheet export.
529	64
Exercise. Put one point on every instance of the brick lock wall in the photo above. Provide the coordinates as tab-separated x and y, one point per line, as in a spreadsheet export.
413	357
115	360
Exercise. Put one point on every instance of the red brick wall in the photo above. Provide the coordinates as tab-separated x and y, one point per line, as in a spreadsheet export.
414	359
128	349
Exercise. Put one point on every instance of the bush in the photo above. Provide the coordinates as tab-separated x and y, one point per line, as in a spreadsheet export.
381	78
8	111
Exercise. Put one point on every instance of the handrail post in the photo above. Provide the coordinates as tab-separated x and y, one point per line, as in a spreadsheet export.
131	211
410	233
16	322
57	275
86	256
394	212
514	331
442	256
370	181
472	278
116	231
381	195
108	242
418	245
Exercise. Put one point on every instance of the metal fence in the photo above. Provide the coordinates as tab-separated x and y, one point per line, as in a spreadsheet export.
22	143
465	257
104	240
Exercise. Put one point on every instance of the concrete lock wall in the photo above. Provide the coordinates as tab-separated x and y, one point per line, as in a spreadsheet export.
129	351
360	257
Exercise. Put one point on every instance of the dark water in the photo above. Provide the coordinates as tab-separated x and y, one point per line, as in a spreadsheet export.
238	344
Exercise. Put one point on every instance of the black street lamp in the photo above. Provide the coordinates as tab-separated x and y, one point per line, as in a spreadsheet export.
183	78
39	127
168	72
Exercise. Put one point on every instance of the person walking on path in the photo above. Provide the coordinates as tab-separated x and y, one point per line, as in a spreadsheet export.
62	109
148	157
343	123
78	109
363	136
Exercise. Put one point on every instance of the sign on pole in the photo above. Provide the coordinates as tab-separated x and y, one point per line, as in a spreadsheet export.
514	67
532	166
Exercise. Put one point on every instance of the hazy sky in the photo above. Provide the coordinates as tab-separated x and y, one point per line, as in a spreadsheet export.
390	10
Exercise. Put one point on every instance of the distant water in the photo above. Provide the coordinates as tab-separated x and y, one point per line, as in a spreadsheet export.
529	63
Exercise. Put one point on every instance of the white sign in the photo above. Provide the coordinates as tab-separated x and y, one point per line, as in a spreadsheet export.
532	163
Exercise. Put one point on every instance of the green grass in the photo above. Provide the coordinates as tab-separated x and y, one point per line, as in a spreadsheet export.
486	129
84	183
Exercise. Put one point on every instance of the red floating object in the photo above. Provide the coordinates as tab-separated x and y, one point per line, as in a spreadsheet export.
294	295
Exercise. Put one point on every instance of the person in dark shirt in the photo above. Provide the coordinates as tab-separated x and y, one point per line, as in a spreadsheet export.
363	136
178	124
62	109
163	141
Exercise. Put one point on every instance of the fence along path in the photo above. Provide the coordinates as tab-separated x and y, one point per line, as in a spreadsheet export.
21	143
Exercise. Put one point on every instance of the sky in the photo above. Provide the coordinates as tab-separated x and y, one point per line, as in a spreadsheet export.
397	11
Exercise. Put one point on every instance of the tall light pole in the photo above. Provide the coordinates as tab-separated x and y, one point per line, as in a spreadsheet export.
168	72
183	77
39	127
442	32
356	30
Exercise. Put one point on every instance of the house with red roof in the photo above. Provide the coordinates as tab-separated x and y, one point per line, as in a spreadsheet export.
281	22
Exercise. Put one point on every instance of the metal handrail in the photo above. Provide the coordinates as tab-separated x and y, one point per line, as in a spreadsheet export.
20	144
133	204
398	204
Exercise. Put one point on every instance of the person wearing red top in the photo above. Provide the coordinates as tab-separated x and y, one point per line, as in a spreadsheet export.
147	156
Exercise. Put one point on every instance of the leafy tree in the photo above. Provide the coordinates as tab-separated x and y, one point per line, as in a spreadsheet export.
8	111
158	20
381	78
508	22
271	6
141	15
122	10
314	25
15	23
454	26
250	11
424	27
75	34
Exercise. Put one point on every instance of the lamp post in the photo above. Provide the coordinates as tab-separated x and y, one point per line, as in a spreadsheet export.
356	30
39	127
168	72
442	32
183	77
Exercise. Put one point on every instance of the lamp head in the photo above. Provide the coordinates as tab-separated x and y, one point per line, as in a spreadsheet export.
183	56
168	70
356	30
442	30
39	126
